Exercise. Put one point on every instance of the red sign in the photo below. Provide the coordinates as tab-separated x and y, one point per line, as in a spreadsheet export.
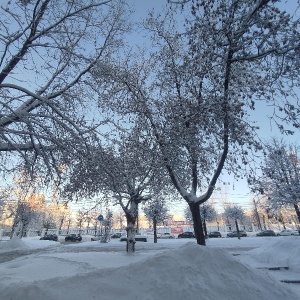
177	230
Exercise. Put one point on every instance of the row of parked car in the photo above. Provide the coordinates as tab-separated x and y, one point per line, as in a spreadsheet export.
285	232
69	238
242	233
187	234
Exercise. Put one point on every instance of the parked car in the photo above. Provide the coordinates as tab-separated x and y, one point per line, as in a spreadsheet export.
96	237
138	238
73	237
186	235
266	233
235	233
165	235
215	234
116	235
286	232
50	237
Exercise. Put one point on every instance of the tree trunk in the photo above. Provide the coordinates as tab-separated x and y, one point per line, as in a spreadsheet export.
61	224
297	210
257	215
280	220
205	229
13	228
69	223
131	216
237	229
155	229
264	222
198	229
130	243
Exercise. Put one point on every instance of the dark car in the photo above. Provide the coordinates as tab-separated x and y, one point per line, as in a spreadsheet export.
96	237
186	235
235	233
138	238
73	237
116	235
266	233
215	234
50	237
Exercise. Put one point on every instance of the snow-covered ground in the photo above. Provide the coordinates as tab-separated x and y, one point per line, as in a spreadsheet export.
31	269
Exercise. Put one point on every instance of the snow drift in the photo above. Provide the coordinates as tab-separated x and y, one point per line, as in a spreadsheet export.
190	272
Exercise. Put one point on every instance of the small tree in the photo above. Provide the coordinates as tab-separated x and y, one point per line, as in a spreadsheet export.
208	213
25	205
4	196
107	223
280	180
188	215
235	213
80	217
122	170
24	215
49	220
157	212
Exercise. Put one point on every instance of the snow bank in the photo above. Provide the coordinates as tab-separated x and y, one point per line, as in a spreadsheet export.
190	272
25	244
281	252
13	244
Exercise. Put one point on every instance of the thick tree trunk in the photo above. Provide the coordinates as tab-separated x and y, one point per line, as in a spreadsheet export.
297	210
198	229
155	229
130	244
131	216
237	229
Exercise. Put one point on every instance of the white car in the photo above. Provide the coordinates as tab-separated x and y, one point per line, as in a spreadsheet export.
165	235
288	232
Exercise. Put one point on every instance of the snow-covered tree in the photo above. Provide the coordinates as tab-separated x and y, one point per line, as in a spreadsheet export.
280	179
24	215
235	213
188	215
107	223
156	211
4	197
208	213
49	221
47	49
122	170
194	90
80	216
24	205
256	215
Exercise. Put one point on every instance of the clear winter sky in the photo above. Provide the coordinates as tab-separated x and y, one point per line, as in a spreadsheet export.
234	191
